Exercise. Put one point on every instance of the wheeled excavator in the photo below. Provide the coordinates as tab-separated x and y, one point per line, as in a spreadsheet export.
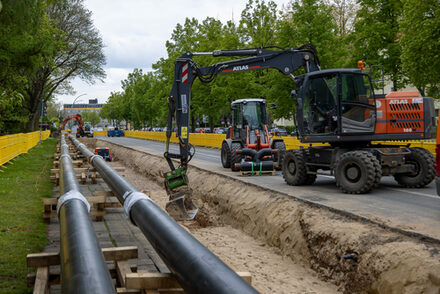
335	106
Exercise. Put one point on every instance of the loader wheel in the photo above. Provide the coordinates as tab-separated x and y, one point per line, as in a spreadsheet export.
281	150
235	158
226	155
357	172
294	168
424	174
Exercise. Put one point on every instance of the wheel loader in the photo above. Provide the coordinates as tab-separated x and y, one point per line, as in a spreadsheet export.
248	146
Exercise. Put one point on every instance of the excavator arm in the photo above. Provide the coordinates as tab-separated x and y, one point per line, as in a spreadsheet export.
186	71
78	118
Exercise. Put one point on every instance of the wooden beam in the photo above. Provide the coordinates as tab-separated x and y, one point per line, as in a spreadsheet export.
53	258
122	268
152	281
41	285
120	253
123	290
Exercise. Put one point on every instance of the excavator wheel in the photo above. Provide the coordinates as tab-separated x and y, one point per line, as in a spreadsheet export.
281	150
424	173
225	155
294	168
235	158
356	172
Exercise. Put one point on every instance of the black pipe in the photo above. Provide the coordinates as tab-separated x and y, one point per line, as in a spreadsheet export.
83	269
255	166
196	268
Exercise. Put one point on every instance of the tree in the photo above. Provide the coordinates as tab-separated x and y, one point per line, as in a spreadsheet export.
376	37
27	38
344	13
420	27
90	116
80	56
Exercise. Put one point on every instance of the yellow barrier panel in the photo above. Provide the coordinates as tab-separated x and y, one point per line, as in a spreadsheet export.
215	140
99	133
13	145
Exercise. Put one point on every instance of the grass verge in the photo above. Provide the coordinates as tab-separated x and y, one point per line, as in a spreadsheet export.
22	186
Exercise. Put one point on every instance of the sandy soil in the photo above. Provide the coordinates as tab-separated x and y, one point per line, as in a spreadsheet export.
304	236
271	272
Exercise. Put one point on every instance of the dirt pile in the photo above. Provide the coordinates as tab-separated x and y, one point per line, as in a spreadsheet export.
358	257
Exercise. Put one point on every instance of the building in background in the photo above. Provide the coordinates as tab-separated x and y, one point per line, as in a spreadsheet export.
78	108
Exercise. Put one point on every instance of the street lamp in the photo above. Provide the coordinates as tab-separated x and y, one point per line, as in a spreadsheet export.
77	98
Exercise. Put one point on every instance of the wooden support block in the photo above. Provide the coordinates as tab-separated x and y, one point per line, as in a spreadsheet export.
50	201
96	199
93	177
122	268
83	178
44	259
57	179
41	285
76	170
154	281
123	290
120	253
105	193
150	281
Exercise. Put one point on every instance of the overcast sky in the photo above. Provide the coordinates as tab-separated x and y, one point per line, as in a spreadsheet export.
135	31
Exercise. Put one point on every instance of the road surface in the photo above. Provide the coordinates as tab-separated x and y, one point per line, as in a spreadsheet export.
409	209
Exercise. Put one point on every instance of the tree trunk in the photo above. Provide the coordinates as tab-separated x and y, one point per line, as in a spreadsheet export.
422	91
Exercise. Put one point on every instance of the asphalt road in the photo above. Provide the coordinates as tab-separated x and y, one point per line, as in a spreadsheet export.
410	209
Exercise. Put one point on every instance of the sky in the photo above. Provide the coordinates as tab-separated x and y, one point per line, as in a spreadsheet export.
134	34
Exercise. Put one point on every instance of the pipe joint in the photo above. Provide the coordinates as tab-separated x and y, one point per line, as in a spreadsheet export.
72	194
91	158
64	155
130	198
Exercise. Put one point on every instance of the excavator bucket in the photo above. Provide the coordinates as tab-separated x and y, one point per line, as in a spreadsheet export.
180	206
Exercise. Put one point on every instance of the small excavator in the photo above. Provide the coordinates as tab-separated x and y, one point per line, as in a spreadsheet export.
83	131
335	106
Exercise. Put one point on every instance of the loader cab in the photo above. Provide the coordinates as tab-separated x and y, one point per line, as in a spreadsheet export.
248	112
333	104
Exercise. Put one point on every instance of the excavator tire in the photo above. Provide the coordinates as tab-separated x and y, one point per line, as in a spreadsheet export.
225	155
281	150
424	162
235	158
356	172
294	168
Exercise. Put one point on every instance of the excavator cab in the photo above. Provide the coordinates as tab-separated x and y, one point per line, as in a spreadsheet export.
335	103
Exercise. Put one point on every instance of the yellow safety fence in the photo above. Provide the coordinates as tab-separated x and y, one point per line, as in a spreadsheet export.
215	140
13	145
99	133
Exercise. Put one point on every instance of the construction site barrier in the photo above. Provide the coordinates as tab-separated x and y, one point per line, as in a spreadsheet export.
215	140
99	133
13	145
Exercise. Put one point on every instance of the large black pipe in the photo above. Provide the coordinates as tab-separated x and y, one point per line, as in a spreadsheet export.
196	268
83	269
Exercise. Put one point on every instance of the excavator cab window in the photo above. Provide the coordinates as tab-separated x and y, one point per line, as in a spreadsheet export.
320	111
236	120
357	104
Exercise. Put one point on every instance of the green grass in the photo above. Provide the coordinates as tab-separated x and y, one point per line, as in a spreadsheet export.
23	184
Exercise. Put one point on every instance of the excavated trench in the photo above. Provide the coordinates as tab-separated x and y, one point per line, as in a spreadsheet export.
356	256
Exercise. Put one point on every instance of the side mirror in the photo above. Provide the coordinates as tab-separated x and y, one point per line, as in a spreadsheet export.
293	94
232	107
274	105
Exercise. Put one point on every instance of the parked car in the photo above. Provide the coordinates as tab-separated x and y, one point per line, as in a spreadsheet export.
278	132
220	130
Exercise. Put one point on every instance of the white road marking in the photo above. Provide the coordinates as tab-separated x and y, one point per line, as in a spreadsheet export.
412	192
